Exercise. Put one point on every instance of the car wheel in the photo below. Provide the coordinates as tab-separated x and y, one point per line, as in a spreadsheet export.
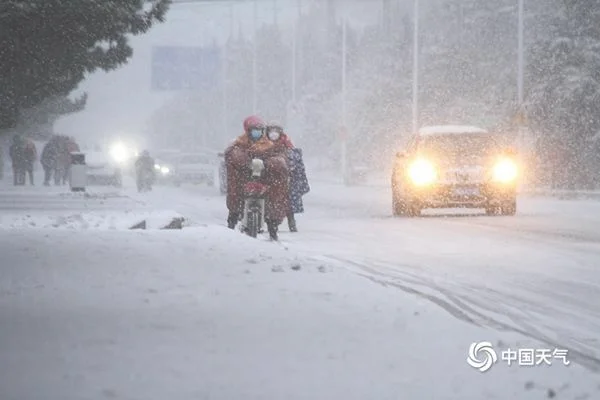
509	208
491	210
398	206
413	210
403	208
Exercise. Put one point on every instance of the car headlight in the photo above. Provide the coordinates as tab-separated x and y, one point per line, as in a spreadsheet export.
119	153
157	166
505	171
164	170
422	173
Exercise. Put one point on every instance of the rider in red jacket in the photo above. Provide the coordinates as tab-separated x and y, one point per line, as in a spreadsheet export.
253	143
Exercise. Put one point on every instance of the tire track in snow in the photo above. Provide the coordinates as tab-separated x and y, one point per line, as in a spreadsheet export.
470	309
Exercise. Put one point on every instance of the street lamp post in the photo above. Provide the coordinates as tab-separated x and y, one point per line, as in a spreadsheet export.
343	136
520	72
254	60
415	89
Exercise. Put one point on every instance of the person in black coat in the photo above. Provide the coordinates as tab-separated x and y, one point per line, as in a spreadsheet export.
298	184
49	159
19	162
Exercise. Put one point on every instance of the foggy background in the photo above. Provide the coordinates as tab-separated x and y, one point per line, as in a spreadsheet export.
468	75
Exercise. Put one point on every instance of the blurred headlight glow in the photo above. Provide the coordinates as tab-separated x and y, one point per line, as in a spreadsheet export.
119	153
157	166
422	173
165	170
505	171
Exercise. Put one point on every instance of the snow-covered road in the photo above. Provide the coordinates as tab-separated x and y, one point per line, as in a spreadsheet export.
356	305
537	273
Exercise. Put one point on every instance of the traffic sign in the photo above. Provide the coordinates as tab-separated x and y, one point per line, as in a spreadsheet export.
185	68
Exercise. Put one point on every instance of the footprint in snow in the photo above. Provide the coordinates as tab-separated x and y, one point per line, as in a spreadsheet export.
277	268
296	267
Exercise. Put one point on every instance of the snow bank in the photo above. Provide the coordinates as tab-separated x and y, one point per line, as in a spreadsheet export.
102	208
206	312
116	220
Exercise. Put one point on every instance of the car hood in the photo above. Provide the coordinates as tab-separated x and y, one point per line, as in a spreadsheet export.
96	159
195	167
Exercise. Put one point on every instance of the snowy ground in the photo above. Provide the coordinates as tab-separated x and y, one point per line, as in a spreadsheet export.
357	305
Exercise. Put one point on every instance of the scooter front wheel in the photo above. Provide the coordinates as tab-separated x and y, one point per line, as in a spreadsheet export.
253	223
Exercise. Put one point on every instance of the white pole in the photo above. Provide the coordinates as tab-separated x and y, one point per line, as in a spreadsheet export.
520	95
520	72
254	60
521	57
344	127
225	71
415	111
294	50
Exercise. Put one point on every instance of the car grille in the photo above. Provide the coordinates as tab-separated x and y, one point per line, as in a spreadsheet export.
463	176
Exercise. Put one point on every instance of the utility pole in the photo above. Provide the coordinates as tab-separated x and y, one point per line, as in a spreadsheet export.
344	132
520	72
520	60
292	104
521	116
415	111
225	66
254	60
386	16
294	51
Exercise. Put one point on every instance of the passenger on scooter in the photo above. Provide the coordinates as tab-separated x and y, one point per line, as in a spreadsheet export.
144	170
253	143
298	181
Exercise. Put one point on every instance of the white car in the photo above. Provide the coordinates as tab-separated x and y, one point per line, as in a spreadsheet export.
196	168
455	167
102	170
107	166
165	171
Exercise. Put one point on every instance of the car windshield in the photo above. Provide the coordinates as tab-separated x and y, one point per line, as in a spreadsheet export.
458	145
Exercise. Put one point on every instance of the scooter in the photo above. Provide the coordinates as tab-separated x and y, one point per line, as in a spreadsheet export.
255	193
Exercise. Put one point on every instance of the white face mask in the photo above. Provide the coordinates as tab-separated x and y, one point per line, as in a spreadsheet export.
274	134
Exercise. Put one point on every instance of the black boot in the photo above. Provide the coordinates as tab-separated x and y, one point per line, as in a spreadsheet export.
232	220
272	228
292	223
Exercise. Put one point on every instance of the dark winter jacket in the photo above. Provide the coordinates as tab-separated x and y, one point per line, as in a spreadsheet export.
144	164
30	153
17	154
299	185
50	154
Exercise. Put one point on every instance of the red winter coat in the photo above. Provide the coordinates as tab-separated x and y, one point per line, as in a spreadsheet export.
286	141
237	160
